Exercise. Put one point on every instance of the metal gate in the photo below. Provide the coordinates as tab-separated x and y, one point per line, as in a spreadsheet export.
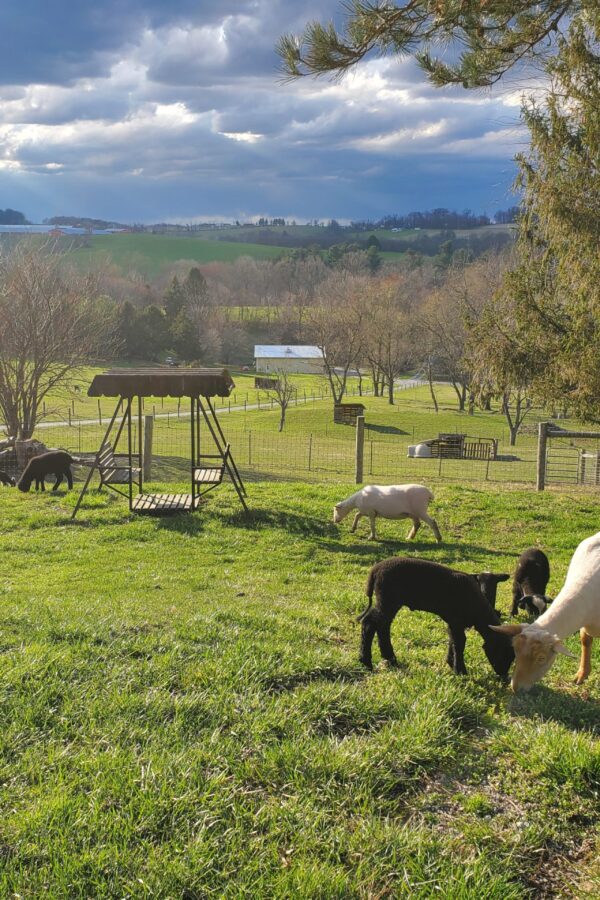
563	465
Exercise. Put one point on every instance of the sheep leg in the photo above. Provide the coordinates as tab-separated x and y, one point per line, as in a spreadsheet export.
433	525
372	536
355	523
385	642
70	478
368	630
458	638
58	481
585	664
517	594
451	655
414	529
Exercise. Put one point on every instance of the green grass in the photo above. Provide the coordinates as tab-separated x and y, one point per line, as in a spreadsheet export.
83	407
150	253
183	714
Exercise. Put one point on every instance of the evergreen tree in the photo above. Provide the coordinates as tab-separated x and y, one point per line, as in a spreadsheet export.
174	299
485	38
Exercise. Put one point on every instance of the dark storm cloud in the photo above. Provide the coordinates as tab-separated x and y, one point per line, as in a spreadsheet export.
176	110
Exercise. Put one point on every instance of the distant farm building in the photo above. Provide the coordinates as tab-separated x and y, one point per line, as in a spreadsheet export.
297	358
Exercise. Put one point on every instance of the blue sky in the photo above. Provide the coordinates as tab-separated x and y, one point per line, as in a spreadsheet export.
143	110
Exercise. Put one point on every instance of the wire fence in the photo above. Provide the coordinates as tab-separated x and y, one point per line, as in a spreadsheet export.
266	454
263	453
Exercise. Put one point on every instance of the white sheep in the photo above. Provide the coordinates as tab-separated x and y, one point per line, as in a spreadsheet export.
394	501
577	607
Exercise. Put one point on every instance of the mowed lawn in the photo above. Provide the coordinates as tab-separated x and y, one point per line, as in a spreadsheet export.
183	714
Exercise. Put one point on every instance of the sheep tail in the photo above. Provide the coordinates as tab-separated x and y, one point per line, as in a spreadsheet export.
369	593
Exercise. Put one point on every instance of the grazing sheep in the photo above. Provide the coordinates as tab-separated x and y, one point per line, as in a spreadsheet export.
56	462
395	501
455	597
577	607
6	479
530	580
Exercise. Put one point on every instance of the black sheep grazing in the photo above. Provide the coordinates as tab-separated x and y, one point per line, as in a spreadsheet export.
55	462
453	596
6	479
530	580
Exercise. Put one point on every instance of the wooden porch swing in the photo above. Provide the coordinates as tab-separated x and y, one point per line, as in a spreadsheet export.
122	472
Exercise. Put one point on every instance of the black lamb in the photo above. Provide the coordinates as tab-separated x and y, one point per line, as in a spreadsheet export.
55	462
454	596
529	584
6	480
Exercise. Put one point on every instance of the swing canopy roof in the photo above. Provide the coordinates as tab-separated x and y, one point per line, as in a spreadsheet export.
161	382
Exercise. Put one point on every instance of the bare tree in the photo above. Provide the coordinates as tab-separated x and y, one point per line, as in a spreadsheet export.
388	345
283	392
51	323
336	327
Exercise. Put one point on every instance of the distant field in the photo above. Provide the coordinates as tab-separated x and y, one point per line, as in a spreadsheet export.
149	253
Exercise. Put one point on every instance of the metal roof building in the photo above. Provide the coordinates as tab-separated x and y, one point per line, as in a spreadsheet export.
302	358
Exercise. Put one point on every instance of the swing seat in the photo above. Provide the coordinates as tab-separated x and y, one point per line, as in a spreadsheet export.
212	473
113	472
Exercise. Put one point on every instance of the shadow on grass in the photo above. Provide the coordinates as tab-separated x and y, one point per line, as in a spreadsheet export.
278	684
385	429
577	713
284	520
190	524
447	554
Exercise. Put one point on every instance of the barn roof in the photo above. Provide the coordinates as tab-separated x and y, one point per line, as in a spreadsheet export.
161	382
287	351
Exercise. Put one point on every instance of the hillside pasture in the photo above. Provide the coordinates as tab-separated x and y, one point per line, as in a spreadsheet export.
148	254
183	714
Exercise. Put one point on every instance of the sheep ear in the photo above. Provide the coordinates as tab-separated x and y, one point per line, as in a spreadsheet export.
510	630
559	647
502	577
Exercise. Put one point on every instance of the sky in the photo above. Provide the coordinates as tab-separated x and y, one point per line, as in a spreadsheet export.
148	111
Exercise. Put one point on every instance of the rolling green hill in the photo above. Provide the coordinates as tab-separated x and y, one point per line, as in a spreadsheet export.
148	253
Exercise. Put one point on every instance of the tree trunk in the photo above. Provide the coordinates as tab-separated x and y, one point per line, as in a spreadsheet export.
282	419
431	390
391	390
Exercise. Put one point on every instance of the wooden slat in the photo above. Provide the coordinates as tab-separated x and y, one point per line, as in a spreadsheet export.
209	475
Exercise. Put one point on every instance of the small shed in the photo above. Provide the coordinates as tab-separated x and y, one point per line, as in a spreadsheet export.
347	413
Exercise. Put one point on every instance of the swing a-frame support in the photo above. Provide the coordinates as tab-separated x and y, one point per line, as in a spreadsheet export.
123	473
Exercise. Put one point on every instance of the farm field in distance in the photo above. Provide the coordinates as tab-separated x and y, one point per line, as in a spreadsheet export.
183	713
149	253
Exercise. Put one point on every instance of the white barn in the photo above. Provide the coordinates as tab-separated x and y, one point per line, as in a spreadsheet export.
298	358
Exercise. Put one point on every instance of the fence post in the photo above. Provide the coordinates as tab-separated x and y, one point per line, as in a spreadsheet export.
309	451
541	455
250	448
148	430
360	446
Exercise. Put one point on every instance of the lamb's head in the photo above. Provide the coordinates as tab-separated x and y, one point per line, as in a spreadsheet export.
535	604
339	512
488	584
535	651
24	482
